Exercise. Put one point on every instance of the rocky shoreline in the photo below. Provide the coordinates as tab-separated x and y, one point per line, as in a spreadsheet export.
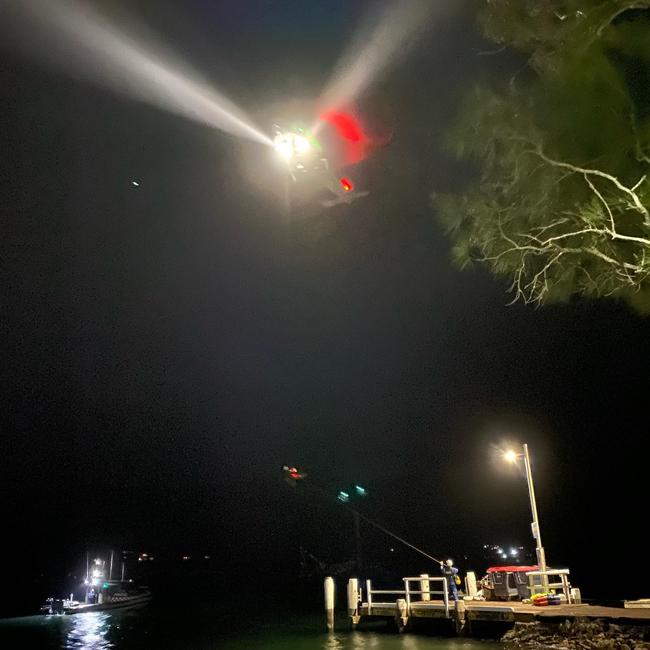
578	634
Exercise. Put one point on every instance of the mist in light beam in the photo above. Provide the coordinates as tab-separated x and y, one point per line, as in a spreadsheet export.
74	39
381	41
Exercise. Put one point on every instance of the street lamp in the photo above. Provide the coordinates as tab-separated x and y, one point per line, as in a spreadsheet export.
511	456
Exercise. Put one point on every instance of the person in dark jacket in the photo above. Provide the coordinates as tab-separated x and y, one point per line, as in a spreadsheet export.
450	572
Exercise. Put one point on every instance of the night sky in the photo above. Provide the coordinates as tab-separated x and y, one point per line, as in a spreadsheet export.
167	347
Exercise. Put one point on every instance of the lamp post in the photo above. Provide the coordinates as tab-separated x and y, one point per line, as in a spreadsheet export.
511	456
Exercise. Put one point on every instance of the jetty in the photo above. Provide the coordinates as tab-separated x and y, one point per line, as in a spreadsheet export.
422	598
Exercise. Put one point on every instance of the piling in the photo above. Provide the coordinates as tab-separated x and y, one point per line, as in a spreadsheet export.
353	602
459	615
424	587
329	603
401	617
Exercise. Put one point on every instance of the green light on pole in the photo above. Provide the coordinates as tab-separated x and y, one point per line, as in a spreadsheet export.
343	496
360	491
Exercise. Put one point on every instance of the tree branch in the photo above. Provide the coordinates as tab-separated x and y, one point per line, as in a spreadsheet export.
638	205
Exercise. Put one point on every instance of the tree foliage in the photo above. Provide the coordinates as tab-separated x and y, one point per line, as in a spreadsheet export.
561	204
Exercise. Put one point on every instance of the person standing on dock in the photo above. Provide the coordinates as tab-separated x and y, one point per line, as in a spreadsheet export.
451	573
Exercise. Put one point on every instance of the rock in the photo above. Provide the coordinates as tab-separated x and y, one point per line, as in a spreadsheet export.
613	629
578	634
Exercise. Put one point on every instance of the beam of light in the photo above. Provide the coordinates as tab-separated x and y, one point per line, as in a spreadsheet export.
78	41
381	42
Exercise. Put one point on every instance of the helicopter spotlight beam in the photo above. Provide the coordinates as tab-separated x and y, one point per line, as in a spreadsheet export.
381	41
73	38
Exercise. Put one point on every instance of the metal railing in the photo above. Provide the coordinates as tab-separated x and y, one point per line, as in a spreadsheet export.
444	592
370	592
544	584
408	592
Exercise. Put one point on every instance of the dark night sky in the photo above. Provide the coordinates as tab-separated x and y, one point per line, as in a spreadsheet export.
168	347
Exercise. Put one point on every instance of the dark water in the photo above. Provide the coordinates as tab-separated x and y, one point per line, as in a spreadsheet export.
202	629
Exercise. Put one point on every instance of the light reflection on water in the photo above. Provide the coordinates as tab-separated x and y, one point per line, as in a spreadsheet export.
368	640
361	640
202	630
88	631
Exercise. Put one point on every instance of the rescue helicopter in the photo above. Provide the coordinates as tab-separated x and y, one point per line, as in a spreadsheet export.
317	165
292	474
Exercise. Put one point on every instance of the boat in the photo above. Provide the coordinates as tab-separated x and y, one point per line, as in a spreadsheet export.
100	594
112	596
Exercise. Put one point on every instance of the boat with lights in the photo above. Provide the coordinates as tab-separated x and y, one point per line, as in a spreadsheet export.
100	593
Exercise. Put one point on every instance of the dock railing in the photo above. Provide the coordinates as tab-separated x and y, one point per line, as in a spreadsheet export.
408	592
370	592
444	592
539	586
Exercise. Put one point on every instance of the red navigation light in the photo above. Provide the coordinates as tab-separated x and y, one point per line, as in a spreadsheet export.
346	185
292	474
347	125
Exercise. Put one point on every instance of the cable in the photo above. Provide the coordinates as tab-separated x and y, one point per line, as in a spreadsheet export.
388	532
326	494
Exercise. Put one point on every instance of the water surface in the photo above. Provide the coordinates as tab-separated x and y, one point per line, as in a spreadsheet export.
209	628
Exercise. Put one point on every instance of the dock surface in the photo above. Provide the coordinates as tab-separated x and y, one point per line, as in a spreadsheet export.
513	611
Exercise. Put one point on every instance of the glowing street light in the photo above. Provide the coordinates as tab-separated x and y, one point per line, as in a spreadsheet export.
511	456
